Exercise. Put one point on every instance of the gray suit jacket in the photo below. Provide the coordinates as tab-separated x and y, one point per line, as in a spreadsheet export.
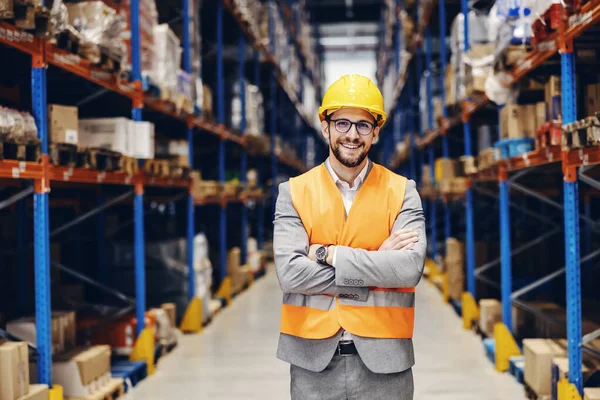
386	269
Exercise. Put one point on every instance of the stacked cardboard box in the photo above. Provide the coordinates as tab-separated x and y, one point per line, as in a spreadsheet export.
490	312
518	121
538	363
240	275
83	371
36	392
561	366
63	328
167	58
592	99
454	262
63	124
176	151
553	98
14	367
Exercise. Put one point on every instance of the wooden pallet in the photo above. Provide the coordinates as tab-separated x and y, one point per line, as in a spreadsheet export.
102	159
113	390
21	150
157	168
64	155
129	165
132	372
68	41
179	171
30	17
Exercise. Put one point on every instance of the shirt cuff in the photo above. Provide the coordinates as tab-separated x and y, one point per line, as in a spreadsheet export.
333	262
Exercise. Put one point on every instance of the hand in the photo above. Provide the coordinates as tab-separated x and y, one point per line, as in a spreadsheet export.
403	239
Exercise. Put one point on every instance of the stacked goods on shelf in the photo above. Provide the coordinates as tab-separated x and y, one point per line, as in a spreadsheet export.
585	132
256	258
560	370
14	364
538	363
518	128
454	264
170	310
18	136
119	333
171	159
240	274
116	138
148	20
204	190
166	330
467	73
255	116
86	372
490	313
204	270
449	175
36	392
207	103
305	33
63	329
167	60
100	28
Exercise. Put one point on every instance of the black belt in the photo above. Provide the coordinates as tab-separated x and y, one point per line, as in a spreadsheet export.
346	348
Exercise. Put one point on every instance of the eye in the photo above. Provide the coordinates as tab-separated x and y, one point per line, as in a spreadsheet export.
364	126
343	124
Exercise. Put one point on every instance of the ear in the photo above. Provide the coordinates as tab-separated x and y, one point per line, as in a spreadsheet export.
376	132
325	129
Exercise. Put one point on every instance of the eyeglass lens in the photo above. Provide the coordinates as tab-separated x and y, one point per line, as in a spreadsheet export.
344	126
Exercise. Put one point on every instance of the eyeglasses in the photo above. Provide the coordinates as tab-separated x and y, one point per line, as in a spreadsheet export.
363	128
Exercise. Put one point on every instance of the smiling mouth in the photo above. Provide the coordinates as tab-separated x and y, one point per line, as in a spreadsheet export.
350	146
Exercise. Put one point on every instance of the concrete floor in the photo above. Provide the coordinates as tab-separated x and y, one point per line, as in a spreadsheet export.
234	358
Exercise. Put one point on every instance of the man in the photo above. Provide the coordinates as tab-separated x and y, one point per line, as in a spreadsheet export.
349	245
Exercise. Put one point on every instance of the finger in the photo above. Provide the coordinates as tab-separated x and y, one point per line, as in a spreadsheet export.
401	231
410	241
405	236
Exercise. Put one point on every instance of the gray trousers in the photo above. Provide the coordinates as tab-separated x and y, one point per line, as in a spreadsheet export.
347	378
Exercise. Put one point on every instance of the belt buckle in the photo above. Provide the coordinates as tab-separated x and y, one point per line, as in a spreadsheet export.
339	348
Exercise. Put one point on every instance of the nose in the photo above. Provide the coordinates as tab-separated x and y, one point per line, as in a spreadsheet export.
352	134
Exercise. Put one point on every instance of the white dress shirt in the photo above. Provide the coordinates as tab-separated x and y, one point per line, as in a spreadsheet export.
348	195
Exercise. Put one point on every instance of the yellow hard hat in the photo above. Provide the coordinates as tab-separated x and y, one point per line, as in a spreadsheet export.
354	91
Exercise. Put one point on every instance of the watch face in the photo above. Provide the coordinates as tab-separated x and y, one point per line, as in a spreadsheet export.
320	253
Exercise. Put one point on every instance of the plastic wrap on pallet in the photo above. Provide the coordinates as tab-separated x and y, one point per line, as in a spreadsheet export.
203	269
6	9
100	27
167	57
59	18
16	125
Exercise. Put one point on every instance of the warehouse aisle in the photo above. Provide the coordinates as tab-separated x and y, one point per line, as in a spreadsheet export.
235	356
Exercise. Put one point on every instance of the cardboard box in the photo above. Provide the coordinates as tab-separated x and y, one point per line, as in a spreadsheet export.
454	250
82	371
14	367
591	393
141	142
106	133
24	329
560	370
592	99
459	185
553	97
67	329
444	169
511	123
36	392
450	85
540	114
240	276
179	152
538	363
490	312
528	120
63	124
171	310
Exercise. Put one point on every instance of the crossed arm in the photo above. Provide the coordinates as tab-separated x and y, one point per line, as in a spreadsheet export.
388	267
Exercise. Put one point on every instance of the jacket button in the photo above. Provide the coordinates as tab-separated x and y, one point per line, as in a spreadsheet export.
345	281
361	282
355	296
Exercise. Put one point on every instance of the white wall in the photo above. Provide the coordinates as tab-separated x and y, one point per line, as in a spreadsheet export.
337	64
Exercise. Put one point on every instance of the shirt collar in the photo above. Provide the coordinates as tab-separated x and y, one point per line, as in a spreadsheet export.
357	182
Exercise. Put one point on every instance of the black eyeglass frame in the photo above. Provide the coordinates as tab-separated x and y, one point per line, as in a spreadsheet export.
373	126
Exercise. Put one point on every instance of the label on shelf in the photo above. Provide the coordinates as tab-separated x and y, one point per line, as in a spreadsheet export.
67	59
101	176
15	172
549	45
22	166
101	75
580	19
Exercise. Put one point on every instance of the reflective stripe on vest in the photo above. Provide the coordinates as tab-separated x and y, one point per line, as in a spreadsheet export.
387	313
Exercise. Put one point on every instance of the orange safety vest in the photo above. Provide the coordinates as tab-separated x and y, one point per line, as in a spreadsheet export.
387	313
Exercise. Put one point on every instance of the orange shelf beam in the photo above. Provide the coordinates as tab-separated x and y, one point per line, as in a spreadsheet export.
534	158
14	169
14	37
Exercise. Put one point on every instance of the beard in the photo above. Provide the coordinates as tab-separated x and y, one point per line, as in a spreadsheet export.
353	160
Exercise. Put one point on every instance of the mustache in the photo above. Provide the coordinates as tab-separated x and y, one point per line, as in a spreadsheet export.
352	142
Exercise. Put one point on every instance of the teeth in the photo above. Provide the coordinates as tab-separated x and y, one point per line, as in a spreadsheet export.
348	146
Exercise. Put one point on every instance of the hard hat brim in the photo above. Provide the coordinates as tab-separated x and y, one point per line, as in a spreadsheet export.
379	115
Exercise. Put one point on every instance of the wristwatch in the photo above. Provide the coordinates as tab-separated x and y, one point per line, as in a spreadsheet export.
321	255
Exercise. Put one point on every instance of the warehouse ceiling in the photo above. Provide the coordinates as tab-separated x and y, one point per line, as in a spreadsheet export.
335	11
